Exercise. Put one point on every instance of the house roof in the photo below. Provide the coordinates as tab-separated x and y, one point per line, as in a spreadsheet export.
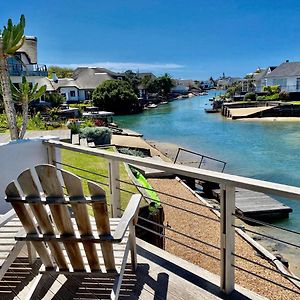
142	75
285	70
90	78
45	81
65	82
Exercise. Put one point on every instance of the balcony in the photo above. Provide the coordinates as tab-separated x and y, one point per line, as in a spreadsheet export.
27	70
211	255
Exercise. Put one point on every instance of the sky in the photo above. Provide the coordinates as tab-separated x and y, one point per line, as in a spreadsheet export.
190	39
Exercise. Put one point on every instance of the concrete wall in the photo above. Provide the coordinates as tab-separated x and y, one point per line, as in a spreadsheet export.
17	156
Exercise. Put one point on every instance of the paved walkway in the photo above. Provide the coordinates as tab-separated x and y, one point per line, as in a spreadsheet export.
61	133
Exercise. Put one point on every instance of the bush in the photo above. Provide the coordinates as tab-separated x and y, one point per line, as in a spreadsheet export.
98	135
273	97
55	99
134	152
261	98
250	97
74	125
285	96
35	123
271	89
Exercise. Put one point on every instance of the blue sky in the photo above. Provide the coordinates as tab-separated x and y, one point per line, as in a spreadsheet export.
187	39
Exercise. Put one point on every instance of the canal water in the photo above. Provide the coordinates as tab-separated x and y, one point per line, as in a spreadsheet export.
268	150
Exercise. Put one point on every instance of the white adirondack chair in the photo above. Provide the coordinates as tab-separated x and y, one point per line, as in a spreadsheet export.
70	241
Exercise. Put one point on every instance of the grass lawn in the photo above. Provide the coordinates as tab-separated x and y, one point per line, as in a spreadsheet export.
294	102
96	165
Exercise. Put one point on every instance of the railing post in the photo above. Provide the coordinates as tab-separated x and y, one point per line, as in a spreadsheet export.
51	155
114	188
227	238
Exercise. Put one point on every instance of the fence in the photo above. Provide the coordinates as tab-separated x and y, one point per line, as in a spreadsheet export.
226	251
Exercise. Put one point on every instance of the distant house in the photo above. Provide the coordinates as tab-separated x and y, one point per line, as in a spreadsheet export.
182	86
286	75
225	82
81	86
259	78
25	63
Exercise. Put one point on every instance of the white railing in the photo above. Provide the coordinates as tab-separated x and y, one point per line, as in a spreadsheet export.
228	184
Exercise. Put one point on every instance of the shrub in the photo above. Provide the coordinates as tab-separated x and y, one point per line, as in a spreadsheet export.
55	99
36	122
285	96
250	97
74	125
98	135
271	89
261	98
134	152
273	97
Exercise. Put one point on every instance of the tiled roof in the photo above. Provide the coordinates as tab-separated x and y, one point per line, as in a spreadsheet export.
285	70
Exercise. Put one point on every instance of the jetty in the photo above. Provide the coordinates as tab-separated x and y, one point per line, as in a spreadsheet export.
257	205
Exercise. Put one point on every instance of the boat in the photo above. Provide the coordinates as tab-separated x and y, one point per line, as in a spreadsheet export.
152	105
164	102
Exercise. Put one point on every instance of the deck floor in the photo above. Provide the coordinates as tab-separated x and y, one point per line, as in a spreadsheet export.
160	275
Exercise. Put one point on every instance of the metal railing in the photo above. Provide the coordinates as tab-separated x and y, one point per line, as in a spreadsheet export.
227	254
201	161
27	70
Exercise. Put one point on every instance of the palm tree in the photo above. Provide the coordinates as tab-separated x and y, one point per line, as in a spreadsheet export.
11	39
24	94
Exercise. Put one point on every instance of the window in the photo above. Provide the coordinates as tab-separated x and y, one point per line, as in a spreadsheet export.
72	93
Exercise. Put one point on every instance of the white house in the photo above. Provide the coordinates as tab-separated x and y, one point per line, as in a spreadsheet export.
286	75
24	63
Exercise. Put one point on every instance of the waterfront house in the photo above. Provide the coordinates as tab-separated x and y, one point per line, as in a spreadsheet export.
286	75
25	62
259	78
82	84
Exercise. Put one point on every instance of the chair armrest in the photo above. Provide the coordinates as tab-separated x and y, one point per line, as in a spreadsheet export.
129	214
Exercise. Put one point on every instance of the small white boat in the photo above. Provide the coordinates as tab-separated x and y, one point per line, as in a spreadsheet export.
152	106
164	102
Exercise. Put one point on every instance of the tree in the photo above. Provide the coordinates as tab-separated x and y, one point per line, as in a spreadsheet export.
60	72
133	80
23	95
116	96
165	84
11	39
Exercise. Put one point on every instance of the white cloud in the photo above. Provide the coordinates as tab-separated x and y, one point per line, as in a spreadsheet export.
123	66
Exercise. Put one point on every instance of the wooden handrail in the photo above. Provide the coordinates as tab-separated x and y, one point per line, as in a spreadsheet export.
225	179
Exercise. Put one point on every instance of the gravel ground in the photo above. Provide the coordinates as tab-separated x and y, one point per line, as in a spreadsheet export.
209	231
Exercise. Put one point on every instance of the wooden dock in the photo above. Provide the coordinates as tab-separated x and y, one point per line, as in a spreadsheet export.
257	205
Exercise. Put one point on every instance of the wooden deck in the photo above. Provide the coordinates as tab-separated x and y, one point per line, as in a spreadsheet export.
160	275
258	205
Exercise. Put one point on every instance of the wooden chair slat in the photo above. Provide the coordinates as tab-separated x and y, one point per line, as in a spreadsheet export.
11	191
29	227
30	189
74	188
27	184
50	183
52	188
102	224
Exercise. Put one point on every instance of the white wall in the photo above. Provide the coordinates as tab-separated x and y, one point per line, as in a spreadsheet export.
67	92
81	95
17	156
291	83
